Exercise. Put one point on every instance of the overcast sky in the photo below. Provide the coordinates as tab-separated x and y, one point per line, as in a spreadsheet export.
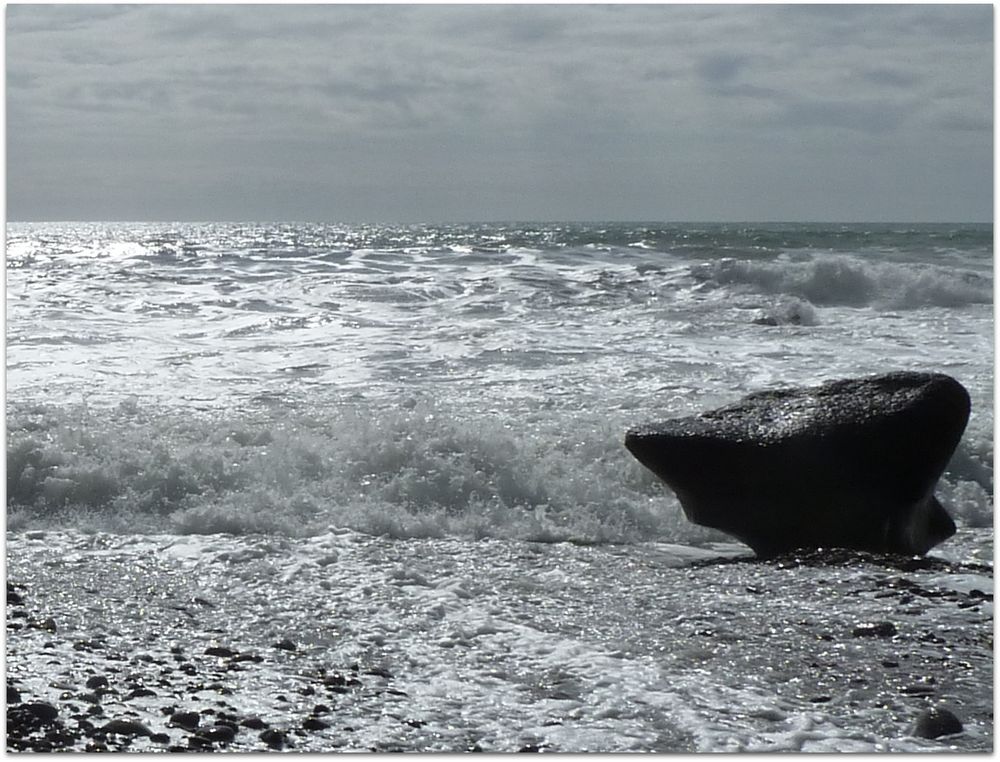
500	112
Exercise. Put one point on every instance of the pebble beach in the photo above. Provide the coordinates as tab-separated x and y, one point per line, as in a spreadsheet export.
348	642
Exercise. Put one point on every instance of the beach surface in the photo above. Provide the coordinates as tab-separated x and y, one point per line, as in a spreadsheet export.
347	641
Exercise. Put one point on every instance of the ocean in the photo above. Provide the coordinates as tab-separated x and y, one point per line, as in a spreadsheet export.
445	405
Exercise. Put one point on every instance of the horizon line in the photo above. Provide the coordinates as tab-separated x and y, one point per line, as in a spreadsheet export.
595	221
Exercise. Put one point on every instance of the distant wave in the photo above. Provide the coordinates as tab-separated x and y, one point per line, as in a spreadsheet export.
849	281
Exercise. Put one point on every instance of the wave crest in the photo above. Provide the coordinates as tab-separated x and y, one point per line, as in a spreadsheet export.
849	281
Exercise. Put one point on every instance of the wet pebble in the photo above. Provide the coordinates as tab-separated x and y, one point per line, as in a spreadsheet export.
219	733
42	712
126	728
186	720
286	644
273	738
936	722
254	723
315	723
97	681
874	629
220	651
139	693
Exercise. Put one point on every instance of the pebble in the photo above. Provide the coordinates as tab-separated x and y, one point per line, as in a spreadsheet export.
219	733
254	723
315	723
41	711
13	695
286	644
186	720
936	722
273	738
220	651
139	693
874	629
126	728
97	681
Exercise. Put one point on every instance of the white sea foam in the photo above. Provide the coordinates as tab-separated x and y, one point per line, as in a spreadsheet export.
430	381
853	281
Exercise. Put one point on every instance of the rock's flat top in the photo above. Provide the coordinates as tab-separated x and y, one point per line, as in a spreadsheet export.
771	416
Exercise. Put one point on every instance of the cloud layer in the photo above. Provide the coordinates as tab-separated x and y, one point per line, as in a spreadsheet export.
409	113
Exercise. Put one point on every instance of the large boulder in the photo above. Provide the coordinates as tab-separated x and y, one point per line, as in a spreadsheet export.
849	464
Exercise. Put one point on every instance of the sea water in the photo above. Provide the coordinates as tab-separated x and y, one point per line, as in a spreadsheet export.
452	380
425	424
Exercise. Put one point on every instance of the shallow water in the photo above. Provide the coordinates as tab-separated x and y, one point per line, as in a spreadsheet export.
505	644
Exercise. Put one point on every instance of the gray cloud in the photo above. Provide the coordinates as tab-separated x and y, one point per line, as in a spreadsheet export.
410	112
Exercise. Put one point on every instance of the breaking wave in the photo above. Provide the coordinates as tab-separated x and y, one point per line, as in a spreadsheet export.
850	281
406	473
409	472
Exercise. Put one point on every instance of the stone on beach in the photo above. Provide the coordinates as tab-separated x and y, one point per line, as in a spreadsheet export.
936	722
850	464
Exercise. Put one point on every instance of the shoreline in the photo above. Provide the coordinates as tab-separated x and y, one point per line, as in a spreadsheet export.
352	642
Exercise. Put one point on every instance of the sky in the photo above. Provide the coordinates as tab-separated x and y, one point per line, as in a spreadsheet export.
445	113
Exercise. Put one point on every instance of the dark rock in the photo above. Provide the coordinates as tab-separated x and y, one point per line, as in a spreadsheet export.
43	712
97	681
531	747
219	733
186	720
874	630
378	671
286	644
849	464
917	690
200	743
220	651
14	598
321	709
936	722
126	728
315	723
13	695
248	657
46	625
254	723
160	738
273	738
139	693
